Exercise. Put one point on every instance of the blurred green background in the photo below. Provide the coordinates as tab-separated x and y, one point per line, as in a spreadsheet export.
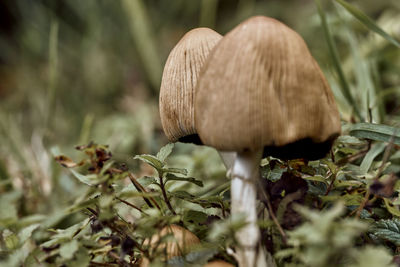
75	71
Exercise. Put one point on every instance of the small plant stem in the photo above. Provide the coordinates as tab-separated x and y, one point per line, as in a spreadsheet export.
131	205
164	193
117	229
92	211
121	262
109	224
140	188
354	157
363	204
331	184
267	202
223	209
215	190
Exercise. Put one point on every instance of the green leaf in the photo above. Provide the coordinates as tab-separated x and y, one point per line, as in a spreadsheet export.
377	132
82	205
30	220
106	167
349	140
275	174
317	178
182	195
26	233
165	151
11	240
64	235
371	155
82	258
132	193
388	230
370	256
151	160
86	179
391	208
336	61
368	22
105	201
194	217
286	253
175	170
8	207
173	177
147	180
67	250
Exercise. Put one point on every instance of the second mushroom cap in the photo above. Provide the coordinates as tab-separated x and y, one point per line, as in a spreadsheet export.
178	83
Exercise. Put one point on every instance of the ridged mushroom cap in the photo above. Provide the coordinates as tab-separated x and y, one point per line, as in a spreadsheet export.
218	263
182	241
261	87
179	81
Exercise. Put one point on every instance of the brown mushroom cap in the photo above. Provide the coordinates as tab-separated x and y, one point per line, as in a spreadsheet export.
218	263
181	243
261	87
178	83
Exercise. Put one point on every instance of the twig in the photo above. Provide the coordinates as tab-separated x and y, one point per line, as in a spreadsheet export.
164	193
92	211
363	204
131	205
110	225
271	212
121	262
354	157
140	188
223	209
285	202
331	184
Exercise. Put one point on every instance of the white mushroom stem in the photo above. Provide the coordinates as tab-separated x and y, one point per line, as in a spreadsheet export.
244	173
228	158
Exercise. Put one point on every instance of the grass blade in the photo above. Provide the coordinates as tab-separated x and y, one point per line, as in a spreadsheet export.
336	62
368	22
53	71
378	132
144	40
245	8
370	156
208	13
366	90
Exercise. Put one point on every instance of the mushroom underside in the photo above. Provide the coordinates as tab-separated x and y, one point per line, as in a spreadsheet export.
304	148
191	138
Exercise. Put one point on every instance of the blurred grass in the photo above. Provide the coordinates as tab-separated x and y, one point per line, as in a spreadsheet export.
73	71
368	22
145	43
208	13
337	63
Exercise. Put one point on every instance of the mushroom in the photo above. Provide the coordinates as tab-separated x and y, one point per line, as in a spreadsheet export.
261	93
183	241
218	263
178	84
